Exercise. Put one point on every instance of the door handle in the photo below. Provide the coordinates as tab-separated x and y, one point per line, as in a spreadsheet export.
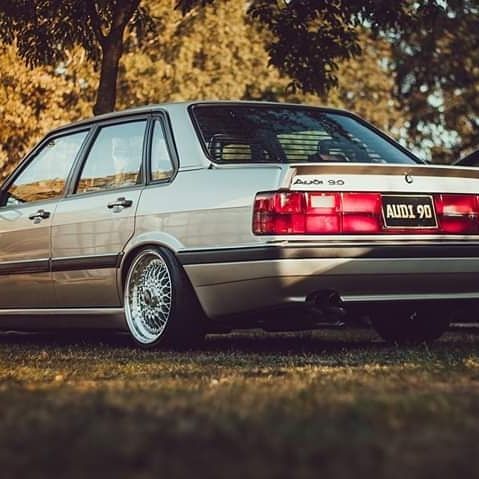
120	203
39	215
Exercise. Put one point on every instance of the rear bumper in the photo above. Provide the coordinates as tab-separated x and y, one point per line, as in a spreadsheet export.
241	280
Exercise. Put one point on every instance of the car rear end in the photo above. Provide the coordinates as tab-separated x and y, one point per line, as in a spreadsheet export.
355	223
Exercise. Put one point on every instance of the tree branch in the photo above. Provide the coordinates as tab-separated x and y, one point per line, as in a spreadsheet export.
185	6
122	15
95	21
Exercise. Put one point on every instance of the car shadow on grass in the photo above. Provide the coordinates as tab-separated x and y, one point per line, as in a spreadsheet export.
256	342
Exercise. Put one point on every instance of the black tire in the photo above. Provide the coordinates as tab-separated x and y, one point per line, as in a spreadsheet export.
161	307
408	325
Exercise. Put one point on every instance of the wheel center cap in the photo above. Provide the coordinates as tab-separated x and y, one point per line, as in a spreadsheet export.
148	297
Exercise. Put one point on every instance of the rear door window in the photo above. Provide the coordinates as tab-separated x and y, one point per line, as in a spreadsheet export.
115	158
161	166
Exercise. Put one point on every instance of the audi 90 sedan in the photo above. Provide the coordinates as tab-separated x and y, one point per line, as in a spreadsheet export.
171	221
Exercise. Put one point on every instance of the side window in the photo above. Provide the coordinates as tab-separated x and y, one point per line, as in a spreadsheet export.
45	176
161	164
114	160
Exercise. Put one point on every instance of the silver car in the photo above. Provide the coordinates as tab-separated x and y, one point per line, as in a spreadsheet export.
174	220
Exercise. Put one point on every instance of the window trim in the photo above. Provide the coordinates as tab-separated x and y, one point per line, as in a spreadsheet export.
374	129
165	124
471	160
30	157
80	163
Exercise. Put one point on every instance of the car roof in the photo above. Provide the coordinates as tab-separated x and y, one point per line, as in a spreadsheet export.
184	106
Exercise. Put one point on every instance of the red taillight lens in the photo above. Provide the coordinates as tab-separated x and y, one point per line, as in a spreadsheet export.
294	202
457	214
322	215
300	212
361	212
279	213
317	213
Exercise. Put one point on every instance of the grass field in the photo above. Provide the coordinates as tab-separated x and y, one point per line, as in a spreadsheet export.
251	405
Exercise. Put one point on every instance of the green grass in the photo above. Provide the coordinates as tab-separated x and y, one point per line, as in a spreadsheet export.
251	405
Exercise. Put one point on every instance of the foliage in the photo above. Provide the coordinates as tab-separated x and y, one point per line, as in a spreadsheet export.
366	86
32	101
284	50
182	63
438	79
303	50
42	38
309	38
178	62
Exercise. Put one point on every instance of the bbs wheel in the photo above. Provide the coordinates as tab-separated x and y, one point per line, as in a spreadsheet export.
160	304
405	325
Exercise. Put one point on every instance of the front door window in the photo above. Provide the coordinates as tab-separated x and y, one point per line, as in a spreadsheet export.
45	176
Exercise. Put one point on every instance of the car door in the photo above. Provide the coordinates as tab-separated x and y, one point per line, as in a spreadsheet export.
27	206
94	222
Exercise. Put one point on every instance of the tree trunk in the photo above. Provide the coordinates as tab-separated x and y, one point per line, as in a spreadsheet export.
112	49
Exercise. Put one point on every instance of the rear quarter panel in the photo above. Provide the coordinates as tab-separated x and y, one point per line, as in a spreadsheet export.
204	208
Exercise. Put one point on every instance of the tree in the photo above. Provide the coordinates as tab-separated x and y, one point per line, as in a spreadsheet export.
366	86
182	63
438	79
44	30
33	101
309	38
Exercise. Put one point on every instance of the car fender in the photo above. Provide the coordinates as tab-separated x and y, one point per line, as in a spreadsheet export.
157	238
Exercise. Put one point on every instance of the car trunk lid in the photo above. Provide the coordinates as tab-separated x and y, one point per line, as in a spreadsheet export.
382	178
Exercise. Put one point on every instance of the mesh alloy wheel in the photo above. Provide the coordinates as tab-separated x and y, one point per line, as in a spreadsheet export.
148	296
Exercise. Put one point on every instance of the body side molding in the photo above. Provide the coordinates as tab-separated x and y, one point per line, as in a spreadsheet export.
60	264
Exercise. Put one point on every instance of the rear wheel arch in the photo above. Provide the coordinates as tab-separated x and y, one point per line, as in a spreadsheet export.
130	255
186	322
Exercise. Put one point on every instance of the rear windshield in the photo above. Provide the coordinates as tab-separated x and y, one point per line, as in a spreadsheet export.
271	134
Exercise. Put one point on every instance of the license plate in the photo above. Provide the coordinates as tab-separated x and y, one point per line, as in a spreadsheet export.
409	211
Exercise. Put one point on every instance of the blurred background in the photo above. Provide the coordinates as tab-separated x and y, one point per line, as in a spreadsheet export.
411	68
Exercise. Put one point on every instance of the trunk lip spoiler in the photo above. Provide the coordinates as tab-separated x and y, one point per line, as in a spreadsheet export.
382	169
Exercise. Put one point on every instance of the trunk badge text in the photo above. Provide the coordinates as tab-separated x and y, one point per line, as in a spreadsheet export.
408	178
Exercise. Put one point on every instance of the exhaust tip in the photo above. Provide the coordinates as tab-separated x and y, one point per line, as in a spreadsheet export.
327	303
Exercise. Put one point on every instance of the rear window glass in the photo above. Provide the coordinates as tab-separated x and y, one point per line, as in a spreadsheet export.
266	134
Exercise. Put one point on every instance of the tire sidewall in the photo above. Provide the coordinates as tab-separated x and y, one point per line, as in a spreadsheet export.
399	326
175	318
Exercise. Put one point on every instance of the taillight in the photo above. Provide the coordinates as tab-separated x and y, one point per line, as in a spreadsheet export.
317	213
279	213
323	213
457	214
361	212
